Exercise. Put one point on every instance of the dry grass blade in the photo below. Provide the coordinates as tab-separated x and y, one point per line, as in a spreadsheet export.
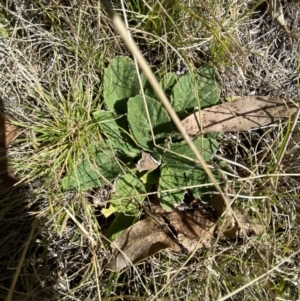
53	57
274	268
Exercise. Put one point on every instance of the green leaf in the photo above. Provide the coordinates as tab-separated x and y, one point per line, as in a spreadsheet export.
183	158
180	170
151	177
99	167
172	180
119	224
138	122
126	198
147	87
119	83
188	90
113	127
167	83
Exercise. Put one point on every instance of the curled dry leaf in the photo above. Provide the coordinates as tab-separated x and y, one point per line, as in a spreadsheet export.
229	228
194	227
143	239
8	132
147	163
243	114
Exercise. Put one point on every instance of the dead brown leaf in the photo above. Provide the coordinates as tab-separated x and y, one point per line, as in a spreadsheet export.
147	163
243	114
143	239
8	132
194	227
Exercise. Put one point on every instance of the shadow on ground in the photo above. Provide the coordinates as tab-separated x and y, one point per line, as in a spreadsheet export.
23	272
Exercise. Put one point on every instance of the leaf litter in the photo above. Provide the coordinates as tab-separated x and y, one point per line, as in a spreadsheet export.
184	230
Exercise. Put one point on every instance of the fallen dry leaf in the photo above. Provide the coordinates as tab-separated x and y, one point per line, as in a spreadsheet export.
8	132
143	239
147	163
243	114
229	228
194	227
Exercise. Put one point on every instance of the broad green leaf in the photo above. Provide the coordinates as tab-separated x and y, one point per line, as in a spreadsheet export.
151	177
183	158
167	83
147	87
172	180
113	127
188	90
120	82
126	198
120	223
139	124
99	167
180	170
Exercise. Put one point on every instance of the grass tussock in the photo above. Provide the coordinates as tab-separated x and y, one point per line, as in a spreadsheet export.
52	58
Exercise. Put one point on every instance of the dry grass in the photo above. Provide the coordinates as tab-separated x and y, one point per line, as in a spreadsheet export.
52	55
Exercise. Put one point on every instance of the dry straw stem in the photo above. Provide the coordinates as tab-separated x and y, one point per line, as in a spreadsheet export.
161	95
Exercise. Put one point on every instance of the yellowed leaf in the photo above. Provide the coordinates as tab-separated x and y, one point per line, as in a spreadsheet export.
242	114
108	211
